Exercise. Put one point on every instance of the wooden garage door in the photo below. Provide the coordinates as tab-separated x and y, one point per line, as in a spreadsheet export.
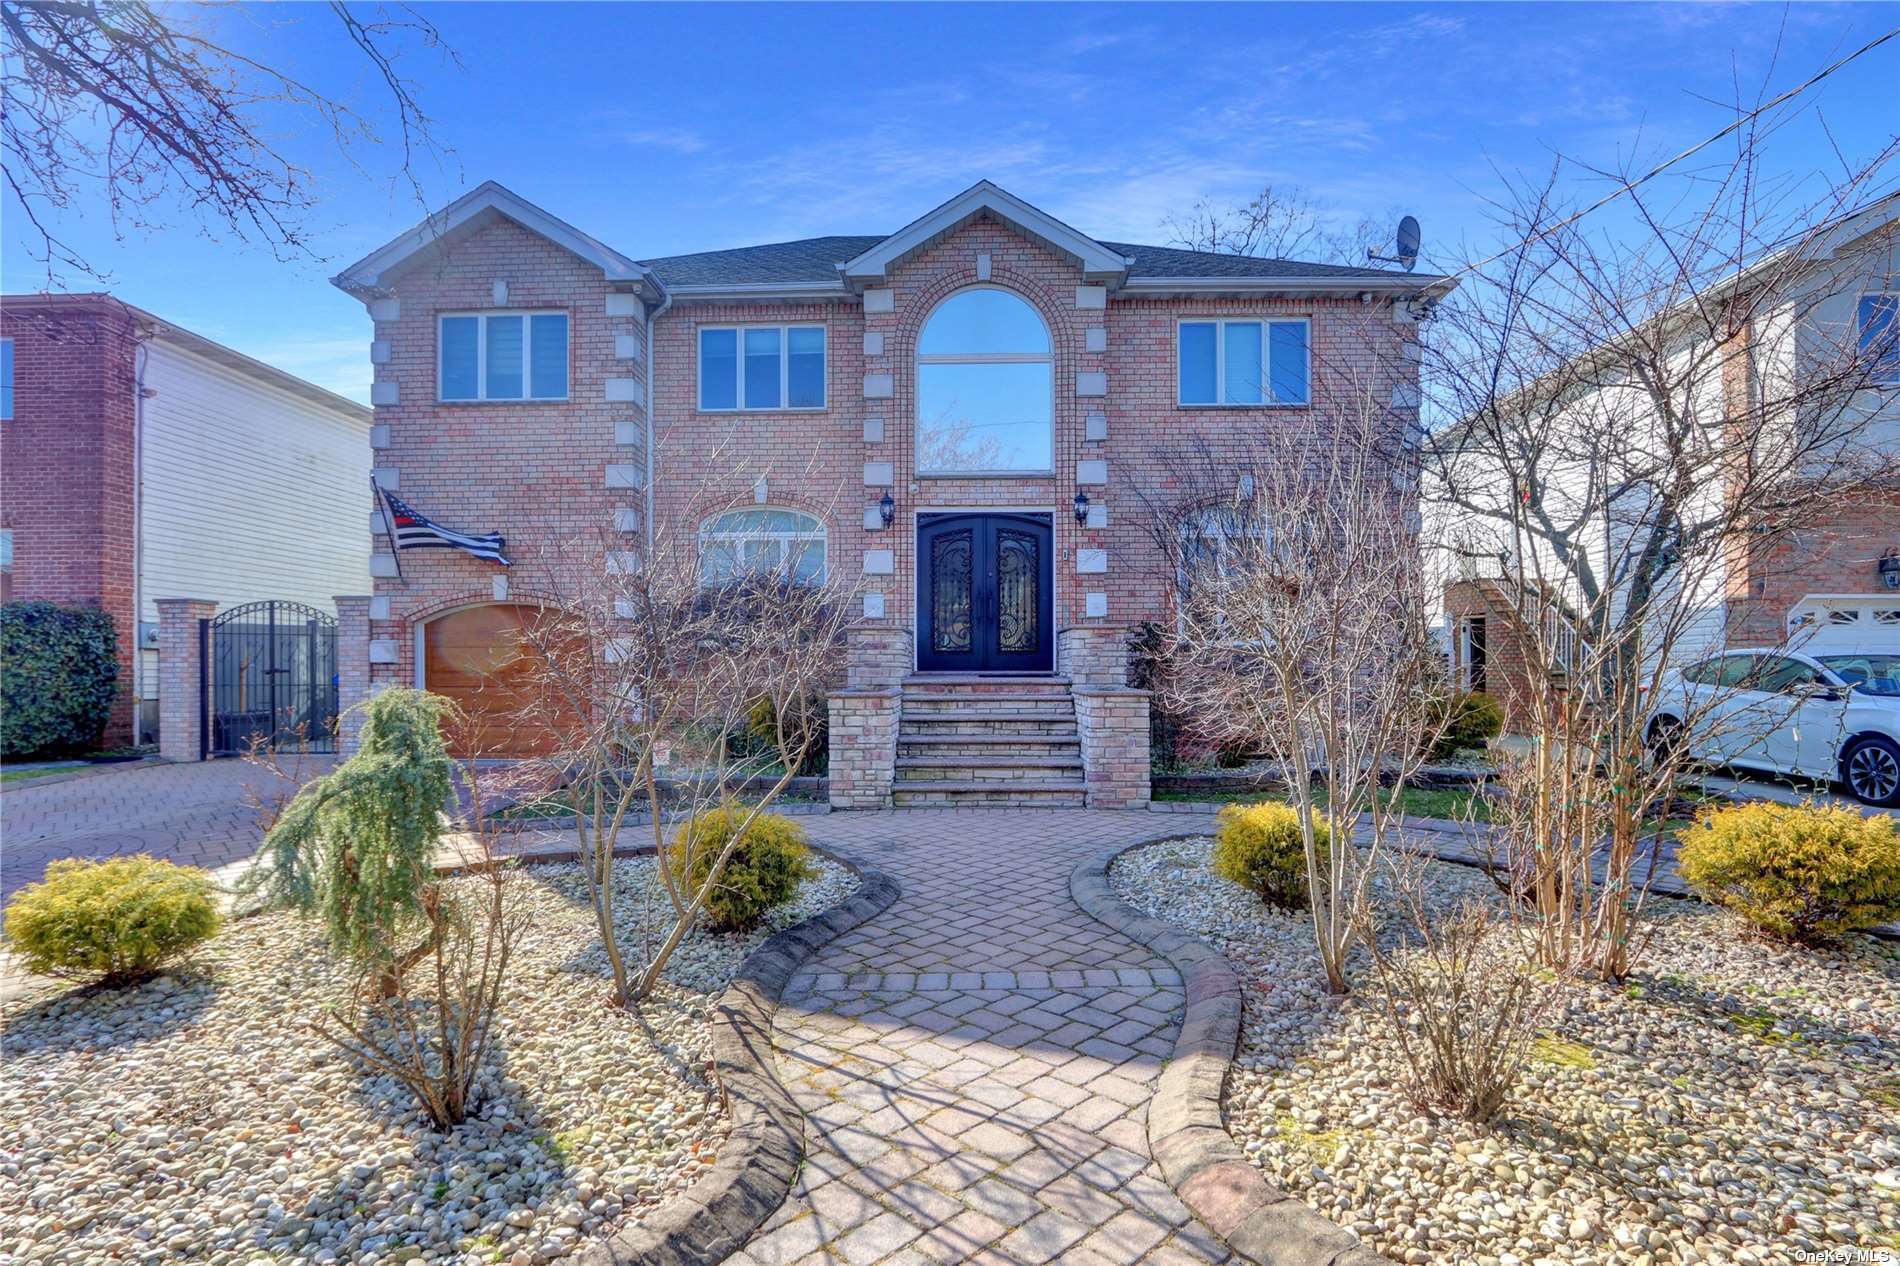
477	658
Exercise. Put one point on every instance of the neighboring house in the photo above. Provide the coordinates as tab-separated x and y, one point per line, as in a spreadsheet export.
142	461
923	412
1763	591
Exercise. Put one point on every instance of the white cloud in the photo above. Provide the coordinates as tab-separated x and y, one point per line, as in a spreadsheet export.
678	140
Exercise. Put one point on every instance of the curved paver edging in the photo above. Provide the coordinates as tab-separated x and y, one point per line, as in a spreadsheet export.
714	1217
1185	1131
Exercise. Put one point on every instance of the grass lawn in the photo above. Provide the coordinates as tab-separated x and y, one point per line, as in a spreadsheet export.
1421	802
21	775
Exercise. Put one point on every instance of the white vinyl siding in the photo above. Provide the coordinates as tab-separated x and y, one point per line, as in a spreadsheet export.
248	492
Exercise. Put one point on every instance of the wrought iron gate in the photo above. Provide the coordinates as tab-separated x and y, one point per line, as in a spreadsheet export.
271	674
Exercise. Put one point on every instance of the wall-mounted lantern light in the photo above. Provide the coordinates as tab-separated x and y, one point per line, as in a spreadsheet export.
887	509
1081	507
1890	569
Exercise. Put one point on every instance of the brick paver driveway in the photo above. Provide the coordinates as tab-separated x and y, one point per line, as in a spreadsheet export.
195	813
975	1064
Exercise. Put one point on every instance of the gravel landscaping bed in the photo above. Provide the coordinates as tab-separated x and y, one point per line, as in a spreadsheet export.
1736	1101
198	1117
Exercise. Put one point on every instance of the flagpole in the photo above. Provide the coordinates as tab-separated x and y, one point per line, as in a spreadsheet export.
389	529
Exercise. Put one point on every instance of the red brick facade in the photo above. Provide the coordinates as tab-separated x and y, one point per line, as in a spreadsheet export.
538	473
67	465
1839	555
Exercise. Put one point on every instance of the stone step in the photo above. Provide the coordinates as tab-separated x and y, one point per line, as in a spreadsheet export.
984	699
939	716
987	769
925	743
986	681
952	728
949	792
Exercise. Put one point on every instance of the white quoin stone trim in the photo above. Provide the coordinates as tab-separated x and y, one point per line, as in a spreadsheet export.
983	267
623	562
1091	297
377	527
874	430
629	432
1094	605
1089	562
880	562
387	477
1095	426
873	343
1091	384
383	566
879	474
379	608
874	605
1405	395
385	393
379	433
620	304
498	589
623	475
383	650
624	390
379	351
626	519
500	293
1095	339
1098	515
384	309
1093	471
761	493
873	519
624	608
879	386
1414	352
616	649
628	346
880	300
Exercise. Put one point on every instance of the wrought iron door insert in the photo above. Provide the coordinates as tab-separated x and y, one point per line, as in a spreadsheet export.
271	670
984	593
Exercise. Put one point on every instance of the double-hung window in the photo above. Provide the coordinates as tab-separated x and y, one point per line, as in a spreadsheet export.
1250	362
761	367
1879	326
502	356
762	543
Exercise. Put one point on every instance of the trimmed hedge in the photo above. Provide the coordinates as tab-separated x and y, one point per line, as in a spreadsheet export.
1471	719
1259	847
1800	873
59	672
120	920
763	871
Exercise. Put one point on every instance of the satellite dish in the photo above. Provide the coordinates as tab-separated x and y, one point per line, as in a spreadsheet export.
1408	242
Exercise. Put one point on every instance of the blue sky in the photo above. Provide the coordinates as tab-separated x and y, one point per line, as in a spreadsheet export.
667	129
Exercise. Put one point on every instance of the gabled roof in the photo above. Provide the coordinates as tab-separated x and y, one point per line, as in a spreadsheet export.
482	203
1096	260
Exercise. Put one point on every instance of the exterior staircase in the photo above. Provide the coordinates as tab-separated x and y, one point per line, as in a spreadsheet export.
964	739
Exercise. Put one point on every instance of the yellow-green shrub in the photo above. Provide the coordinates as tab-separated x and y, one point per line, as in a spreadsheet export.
1800	873
1258	847
765	869
119	920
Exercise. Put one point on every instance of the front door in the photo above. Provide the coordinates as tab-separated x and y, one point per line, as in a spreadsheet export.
984	597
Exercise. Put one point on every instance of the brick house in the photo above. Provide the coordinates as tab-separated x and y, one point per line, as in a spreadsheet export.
958	418
134	450
1774	588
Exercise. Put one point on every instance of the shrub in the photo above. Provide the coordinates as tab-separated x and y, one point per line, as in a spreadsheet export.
1470	719
761	734
1258	847
771	860
119	920
1799	873
59	671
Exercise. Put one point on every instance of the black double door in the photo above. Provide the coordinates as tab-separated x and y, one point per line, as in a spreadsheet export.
984	596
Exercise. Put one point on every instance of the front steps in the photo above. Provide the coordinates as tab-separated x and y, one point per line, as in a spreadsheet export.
964	739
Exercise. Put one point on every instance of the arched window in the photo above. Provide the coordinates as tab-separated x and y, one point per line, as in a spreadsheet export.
985	387
762	541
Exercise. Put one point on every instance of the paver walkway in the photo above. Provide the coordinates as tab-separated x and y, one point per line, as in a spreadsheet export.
196	813
975	1064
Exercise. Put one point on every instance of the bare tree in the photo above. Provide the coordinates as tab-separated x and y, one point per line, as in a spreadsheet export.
1301	620
1280	222
657	676
137	108
1633	413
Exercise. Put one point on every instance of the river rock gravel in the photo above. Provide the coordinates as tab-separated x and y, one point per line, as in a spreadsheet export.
1735	1101
199	1118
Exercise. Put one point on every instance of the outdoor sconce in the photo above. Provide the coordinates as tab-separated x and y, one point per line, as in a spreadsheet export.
1890	569
887	509
1082	507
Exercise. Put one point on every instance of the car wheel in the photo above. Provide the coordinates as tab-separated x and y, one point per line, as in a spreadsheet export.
1871	770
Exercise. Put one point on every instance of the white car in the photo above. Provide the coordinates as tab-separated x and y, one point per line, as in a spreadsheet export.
1827	716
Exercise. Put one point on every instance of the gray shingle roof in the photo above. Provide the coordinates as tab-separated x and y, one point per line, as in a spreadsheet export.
816	259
